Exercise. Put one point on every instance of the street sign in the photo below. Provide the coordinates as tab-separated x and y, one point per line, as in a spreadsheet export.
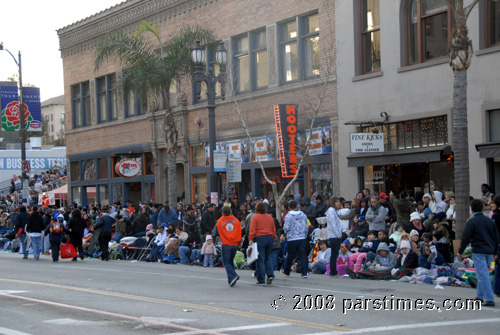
233	172
26	166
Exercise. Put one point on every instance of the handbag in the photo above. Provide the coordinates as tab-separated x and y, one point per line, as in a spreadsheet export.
252	253
68	251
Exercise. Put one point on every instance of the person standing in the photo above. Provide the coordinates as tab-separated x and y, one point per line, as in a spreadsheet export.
228	228
482	233
105	223
263	232
334	234
296	229
77	226
55	232
34	227
20	224
208	220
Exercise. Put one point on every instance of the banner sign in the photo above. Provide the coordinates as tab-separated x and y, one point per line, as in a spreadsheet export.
233	172
321	140
220	159
286	120
10	108
264	148
367	142
43	163
234	151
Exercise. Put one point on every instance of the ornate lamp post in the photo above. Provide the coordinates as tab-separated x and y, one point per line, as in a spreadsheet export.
198	57
21	106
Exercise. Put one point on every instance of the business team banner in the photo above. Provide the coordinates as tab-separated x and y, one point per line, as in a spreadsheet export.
11	120
42	163
286	120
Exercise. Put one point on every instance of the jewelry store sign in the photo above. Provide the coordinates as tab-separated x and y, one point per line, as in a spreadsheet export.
366	142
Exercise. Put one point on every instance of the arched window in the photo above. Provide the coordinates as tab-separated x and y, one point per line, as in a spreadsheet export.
429	25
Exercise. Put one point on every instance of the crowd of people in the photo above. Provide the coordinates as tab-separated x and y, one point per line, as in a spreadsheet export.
368	237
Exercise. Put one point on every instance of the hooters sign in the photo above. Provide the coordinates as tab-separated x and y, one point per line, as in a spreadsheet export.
286	130
128	168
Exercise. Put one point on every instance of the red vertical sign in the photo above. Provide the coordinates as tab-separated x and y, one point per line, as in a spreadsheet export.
286	129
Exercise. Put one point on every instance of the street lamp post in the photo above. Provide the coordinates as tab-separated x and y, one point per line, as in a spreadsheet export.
21	107
198	57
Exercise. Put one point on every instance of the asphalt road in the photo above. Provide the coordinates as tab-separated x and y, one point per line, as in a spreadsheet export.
122	297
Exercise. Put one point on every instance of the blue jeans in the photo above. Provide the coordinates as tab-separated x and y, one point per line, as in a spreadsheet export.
208	260
183	252
264	265
35	244
45	244
292	248
228	253
497	279
195	255
274	257
24	246
320	267
153	254
482	263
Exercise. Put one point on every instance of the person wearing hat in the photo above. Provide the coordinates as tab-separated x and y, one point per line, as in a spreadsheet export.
396	236
415	223
402	206
384	201
360	227
406	257
77	226
208	251
441	243
415	241
21	222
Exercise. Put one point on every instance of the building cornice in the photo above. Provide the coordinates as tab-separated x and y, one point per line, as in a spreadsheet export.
85	34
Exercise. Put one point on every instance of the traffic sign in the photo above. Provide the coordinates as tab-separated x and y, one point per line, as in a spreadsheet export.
26	166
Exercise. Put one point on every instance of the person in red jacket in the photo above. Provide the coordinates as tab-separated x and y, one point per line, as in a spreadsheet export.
228	228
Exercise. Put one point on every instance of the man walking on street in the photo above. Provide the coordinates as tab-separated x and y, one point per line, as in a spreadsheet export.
229	230
482	233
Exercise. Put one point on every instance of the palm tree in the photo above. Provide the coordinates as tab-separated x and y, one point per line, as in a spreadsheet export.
149	69
460	52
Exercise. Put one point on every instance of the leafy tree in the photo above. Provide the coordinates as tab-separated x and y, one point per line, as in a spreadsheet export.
150	67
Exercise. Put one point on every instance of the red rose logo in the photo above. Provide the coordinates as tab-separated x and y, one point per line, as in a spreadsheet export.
12	113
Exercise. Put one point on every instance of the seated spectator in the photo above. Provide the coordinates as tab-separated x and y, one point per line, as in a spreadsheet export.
360	227
398	232
322	258
358	243
442	245
381	266
406	258
429	257
181	234
150	231
370	245
414	241
157	244
120	228
193	242
171	253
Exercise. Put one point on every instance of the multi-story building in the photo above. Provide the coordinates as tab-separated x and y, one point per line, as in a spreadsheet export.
280	52
392	57
53	115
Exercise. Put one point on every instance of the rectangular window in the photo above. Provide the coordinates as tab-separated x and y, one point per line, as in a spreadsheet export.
290	52
75	171
199	188
198	156
494	117
106	98
299	48
77	105
210	61
259	50
86	104
103	168
428	29
311	41
370	36
102	110
493	20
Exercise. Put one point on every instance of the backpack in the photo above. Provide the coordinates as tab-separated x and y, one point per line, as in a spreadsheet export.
56	228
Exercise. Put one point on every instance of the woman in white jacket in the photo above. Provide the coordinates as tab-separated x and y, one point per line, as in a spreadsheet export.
158	244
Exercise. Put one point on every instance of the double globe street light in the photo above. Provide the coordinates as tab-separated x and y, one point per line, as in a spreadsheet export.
211	80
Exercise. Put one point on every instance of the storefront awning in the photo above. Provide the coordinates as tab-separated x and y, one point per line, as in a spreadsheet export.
488	150
429	154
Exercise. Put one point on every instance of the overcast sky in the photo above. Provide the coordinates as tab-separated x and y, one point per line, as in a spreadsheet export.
30	26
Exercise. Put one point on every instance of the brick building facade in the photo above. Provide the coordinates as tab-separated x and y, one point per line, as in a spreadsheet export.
280	52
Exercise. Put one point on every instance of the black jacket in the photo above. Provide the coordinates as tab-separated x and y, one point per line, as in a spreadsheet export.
411	260
105	222
35	223
207	222
358	230
482	233
21	219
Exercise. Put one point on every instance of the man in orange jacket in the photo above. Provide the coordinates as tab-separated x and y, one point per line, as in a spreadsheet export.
229	229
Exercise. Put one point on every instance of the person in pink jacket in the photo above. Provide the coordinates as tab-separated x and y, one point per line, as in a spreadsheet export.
209	251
